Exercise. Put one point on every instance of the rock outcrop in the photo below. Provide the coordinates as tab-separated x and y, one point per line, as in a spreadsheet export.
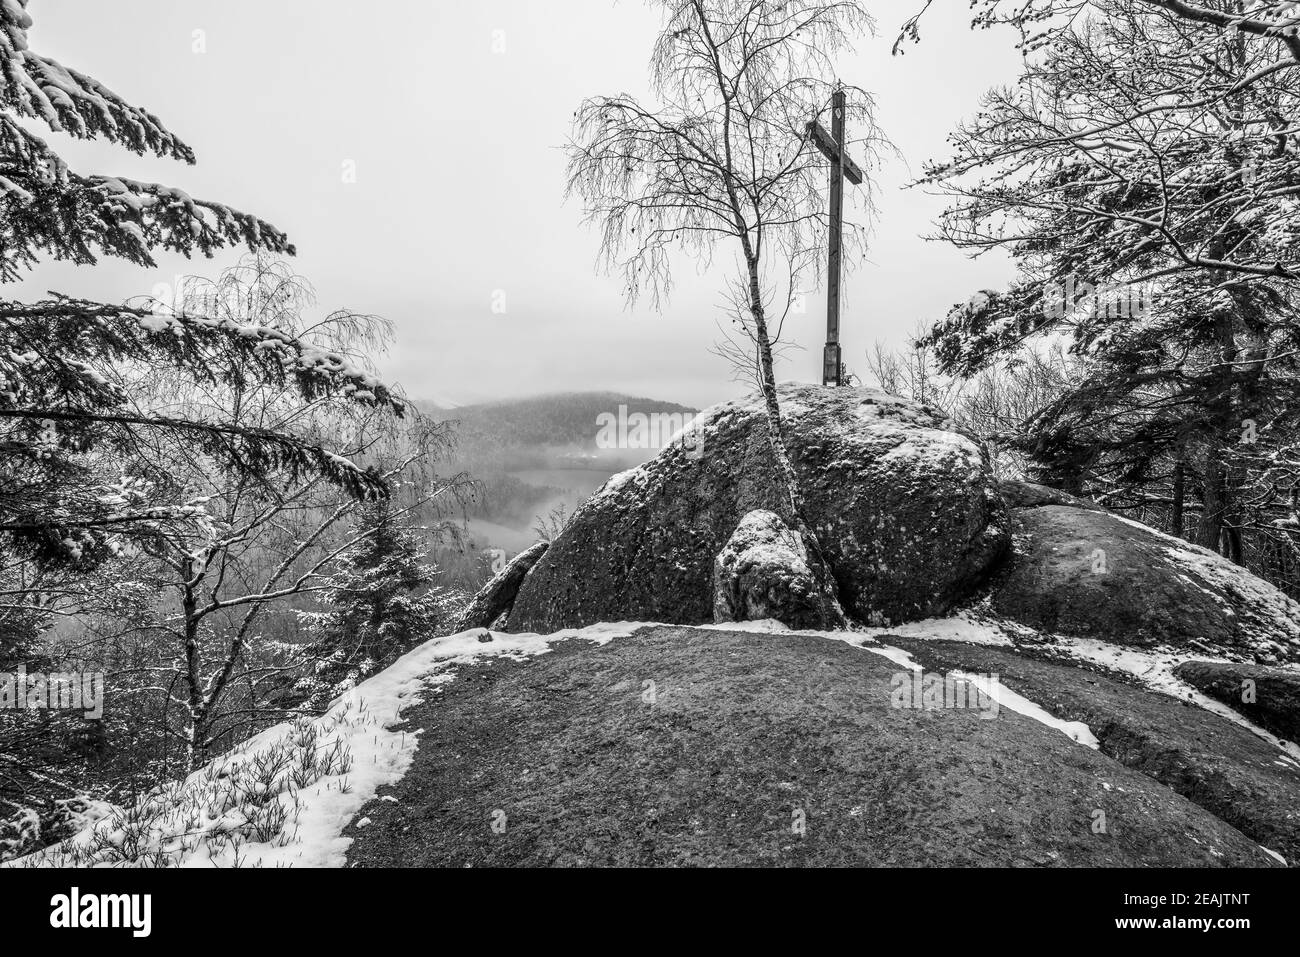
904	507
1216	764
1085	573
627	745
497	597
909	522
689	747
763	573
750	744
1268	696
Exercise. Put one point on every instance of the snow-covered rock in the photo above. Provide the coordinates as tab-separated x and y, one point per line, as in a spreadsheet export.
284	797
904	507
1090	574
763	573
745	746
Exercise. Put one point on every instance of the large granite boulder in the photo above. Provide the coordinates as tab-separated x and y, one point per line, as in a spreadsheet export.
905	509
714	748
1082	572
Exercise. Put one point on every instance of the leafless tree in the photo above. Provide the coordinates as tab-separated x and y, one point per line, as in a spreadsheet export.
994	405
251	545
1040	20
912	374
724	158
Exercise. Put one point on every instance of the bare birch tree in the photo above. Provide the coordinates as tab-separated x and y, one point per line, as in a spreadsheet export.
724	159
254	546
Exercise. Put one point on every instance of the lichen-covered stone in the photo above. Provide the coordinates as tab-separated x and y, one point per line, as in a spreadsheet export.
763	574
904	507
1268	696
1089	574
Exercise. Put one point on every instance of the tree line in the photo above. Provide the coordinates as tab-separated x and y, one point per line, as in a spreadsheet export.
1143	176
209	497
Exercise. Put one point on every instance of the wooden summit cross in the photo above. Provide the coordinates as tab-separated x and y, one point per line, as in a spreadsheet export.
842	167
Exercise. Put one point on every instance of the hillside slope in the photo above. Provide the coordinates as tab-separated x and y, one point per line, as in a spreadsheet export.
531	458
559	419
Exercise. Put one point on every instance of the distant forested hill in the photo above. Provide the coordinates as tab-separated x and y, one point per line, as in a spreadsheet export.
531	457
547	421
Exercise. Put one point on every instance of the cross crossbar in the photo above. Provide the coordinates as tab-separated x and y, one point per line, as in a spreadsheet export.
826	143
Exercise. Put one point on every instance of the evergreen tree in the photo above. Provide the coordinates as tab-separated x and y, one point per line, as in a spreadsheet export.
1040	21
20	630
1149	200
384	600
65	414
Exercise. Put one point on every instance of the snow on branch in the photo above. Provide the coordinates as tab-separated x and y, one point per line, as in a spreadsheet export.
71	102
45	206
64	332
65	409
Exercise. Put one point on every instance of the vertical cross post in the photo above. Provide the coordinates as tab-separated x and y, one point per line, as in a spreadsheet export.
842	167
833	363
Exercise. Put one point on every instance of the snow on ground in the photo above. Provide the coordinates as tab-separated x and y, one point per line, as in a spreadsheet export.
1201	567
1155	669
284	797
986	685
768	626
970	629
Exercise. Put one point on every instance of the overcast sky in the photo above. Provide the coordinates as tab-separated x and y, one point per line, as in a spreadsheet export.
459	176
